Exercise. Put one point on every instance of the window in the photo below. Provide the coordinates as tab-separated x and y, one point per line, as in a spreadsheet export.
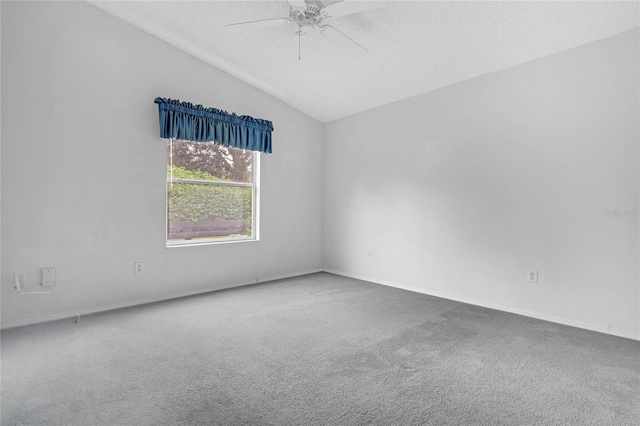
212	193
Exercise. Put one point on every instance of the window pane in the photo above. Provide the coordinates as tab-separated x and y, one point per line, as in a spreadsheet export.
198	211
213	161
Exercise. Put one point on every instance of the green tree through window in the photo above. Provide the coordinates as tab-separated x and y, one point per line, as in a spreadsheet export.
211	193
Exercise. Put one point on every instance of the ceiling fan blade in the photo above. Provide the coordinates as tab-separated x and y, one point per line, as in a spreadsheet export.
346	7
297	3
344	42
263	23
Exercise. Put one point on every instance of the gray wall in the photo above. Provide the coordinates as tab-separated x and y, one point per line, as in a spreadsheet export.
83	168
460	191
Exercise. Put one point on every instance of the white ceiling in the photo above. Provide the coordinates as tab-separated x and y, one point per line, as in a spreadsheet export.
414	46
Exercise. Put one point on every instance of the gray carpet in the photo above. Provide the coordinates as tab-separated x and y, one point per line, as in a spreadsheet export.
316	350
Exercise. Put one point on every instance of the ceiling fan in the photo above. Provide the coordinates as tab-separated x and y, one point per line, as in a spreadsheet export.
311	16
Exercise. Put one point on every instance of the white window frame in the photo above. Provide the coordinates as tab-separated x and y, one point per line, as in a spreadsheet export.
255	207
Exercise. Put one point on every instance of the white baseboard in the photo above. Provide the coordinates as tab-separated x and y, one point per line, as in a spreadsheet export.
56	317
537	315
559	320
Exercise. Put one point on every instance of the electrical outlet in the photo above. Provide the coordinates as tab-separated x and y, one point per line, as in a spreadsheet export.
19	281
138	268
370	253
532	276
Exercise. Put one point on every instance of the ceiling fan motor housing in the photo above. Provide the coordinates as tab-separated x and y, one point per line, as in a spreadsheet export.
308	16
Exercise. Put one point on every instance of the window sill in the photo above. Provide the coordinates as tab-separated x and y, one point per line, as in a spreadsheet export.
209	242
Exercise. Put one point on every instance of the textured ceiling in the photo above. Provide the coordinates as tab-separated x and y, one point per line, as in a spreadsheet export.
414	46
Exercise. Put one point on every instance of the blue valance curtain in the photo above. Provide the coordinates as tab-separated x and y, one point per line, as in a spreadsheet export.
185	121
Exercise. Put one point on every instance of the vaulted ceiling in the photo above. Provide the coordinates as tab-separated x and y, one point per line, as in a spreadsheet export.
413	46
